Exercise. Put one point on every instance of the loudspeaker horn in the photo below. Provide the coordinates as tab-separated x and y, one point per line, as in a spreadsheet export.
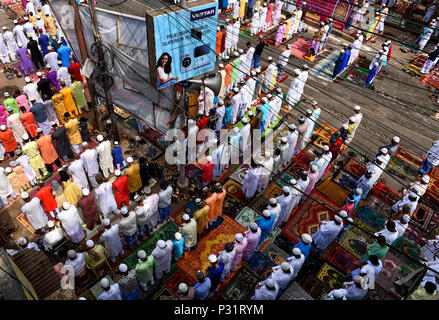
213	83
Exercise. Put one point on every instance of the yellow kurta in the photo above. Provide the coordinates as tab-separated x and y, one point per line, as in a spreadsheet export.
273	82
288	21
67	94
33	20
72	193
134	180
41	14
15	183
59	106
242	8
35	160
73	131
298	16
200	217
49	22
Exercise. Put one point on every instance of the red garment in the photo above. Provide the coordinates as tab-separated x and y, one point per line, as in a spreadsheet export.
390	53
348	208
89	210
335	149
28	121
8	140
218	42
121	193
75	69
207	172
223	41
270	8
46	197
202	124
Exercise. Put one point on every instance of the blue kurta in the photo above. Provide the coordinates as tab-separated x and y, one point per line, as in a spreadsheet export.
117	155
371	75
265	225
64	55
227	114
202	289
177	248
346	57
215	275
43	41
338	66
305	248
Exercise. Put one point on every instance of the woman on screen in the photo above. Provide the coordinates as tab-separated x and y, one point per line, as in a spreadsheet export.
164	71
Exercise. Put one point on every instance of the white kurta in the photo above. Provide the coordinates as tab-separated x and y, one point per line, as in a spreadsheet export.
264	294
5	186
162	259
296	264
71	224
191	143
10	43
229	38
265	173
284	202
51	59
254	27
310	123
245	142
105	198
31	91
23	161
235	102
327	157
326	234
76	170
4	52
282	278
292	140
151	204
40	25
30	7
35	213
226	258
275	211
356	45
251	182
90	161
105	158
388	235
29	29
18	31
62	74
15	125
189	233
270	73
236	28
275	106
294	93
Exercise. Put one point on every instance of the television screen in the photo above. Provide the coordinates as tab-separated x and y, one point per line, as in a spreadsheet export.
201	51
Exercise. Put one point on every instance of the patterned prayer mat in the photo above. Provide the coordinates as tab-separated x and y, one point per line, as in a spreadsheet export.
325	67
239	174
166	232
164	294
354	167
408	248
325	131
370	217
357	76
332	191
432	193
416	64
181	276
353	243
96	290
213	242
232	207
320	142
345	179
177	216
295	292
308	217
283	178
379	293
275	253
299	48
431	78
390	272
246	217
192	171
405	164
378	205
364	230
331	277
300	163
153	136
422	216
385	193
342	259
273	191
280	132
242	285
234	189
260	264
24	221
415	235
259	204
273	235
18	9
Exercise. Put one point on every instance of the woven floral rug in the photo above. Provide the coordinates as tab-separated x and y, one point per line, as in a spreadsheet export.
357	75
422	216
259	204
332	191
181	276
416	64
295	292
299	164
378	206
212	243
246	217
341	258
408	248
275	253
345	180
405	164
308	217
325	131
331	277
355	167
239	174
164	293
354	244
283	178
370	217
260	264
299	48
234	189
242	285
273	191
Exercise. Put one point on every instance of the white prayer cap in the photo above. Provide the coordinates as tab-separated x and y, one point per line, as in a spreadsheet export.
380	159
24	195
352	119
8	170
116	143
345	126
395	139
356	108
285	266
250	113
239	237
338	294
406	218
283	140
22	241
308	111
384	150
66	205
258	70
241	51
100	138
314	103
381	51
209	159
227	57
59	62
358	191
39	74
117	172
236	54
15	21
305	66
376	64
293	182
270	58
26	18
123	267
227	20
330	19
303	3
264	100
71	254
279	90
212	258
48	67
296	72
425	178
338	219
39	130
130	159
244	120
236	89
269	96
325	148
266	213
106	222
38	17
19	44
50	224
253	226
314	168
3	127
412	195
430	31
253	73
343	214
267	154
124	210
182	287
161	244
177	236
186	217
105	283
141	254
322	23
291	126
297	252
358	279
286	189
90	243
85	192
342	51
269	283
27	79
191	121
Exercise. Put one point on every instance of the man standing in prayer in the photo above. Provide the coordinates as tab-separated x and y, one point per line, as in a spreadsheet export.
214	272
128	227
266	290
144	269
162	257
70	223
327	233
202	287
129	287
110	292
265	223
188	230
253	234
73	133
111	239
165	199
34	212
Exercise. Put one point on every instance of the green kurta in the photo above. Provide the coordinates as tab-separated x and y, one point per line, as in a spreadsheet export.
144	270
78	91
90	260
235	70
375	249
10	102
